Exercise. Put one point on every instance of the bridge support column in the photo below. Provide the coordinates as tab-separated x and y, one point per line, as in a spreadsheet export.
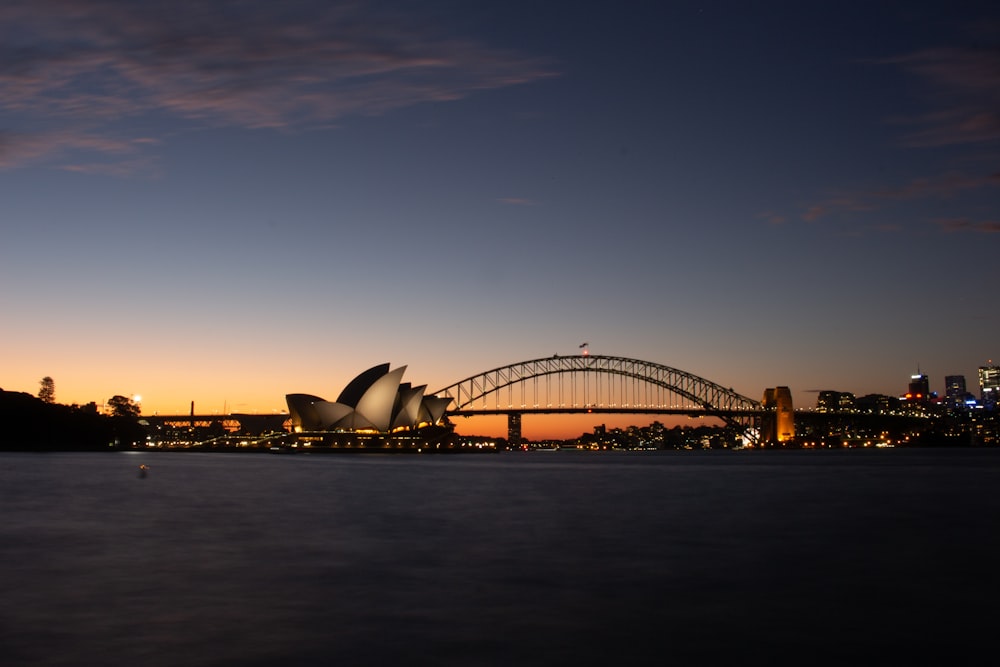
778	425
514	430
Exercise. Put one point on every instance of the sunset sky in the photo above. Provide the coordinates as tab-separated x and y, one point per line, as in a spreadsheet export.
225	202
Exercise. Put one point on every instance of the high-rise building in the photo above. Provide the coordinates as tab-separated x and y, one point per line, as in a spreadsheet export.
878	404
989	384
954	390
828	401
835	401
919	389
514	429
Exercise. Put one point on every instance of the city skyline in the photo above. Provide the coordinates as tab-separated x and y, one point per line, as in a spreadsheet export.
559	427
224	203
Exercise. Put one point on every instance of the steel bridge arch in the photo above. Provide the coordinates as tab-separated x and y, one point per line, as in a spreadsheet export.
736	410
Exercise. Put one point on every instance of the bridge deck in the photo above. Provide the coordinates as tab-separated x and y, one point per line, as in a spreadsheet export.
693	411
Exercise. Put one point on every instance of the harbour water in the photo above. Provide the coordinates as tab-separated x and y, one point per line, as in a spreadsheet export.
542	558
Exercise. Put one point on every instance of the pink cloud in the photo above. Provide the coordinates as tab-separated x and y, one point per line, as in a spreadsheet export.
960	90
946	185
250	64
849	202
962	87
773	218
966	225
120	169
889	228
19	149
943	186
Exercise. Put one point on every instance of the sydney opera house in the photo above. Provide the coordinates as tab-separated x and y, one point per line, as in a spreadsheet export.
375	409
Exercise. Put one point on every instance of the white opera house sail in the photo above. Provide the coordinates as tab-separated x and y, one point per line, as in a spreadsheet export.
376	404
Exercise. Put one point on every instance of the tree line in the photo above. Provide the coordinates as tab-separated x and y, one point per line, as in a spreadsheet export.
38	423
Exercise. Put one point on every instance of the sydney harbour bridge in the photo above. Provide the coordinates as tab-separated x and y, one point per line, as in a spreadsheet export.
598	384
561	384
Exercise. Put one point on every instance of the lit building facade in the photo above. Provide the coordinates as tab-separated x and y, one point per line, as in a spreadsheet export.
835	401
989	385
514	429
955	392
919	389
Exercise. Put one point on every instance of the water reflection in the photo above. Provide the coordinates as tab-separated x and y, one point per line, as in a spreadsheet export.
495	560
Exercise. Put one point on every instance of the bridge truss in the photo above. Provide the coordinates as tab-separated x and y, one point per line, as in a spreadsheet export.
599	383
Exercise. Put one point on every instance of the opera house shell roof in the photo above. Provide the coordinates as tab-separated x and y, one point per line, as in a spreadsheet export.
376	400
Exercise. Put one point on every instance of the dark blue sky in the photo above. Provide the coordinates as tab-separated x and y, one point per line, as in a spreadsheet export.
229	201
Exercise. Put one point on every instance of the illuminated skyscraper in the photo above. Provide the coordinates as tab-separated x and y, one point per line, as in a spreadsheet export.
954	390
919	389
989	384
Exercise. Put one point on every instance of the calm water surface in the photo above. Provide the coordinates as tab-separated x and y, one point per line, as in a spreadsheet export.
511	559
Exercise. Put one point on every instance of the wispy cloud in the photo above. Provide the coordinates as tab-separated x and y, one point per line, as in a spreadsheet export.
966	225
959	104
100	65
146	165
18	148
773	218
942	187
945	185
962	88
841	203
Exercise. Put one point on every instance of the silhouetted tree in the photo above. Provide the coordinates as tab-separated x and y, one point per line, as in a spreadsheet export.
128	432
47	391
122	406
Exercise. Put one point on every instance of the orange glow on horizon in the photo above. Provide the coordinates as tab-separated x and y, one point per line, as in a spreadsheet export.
565	427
